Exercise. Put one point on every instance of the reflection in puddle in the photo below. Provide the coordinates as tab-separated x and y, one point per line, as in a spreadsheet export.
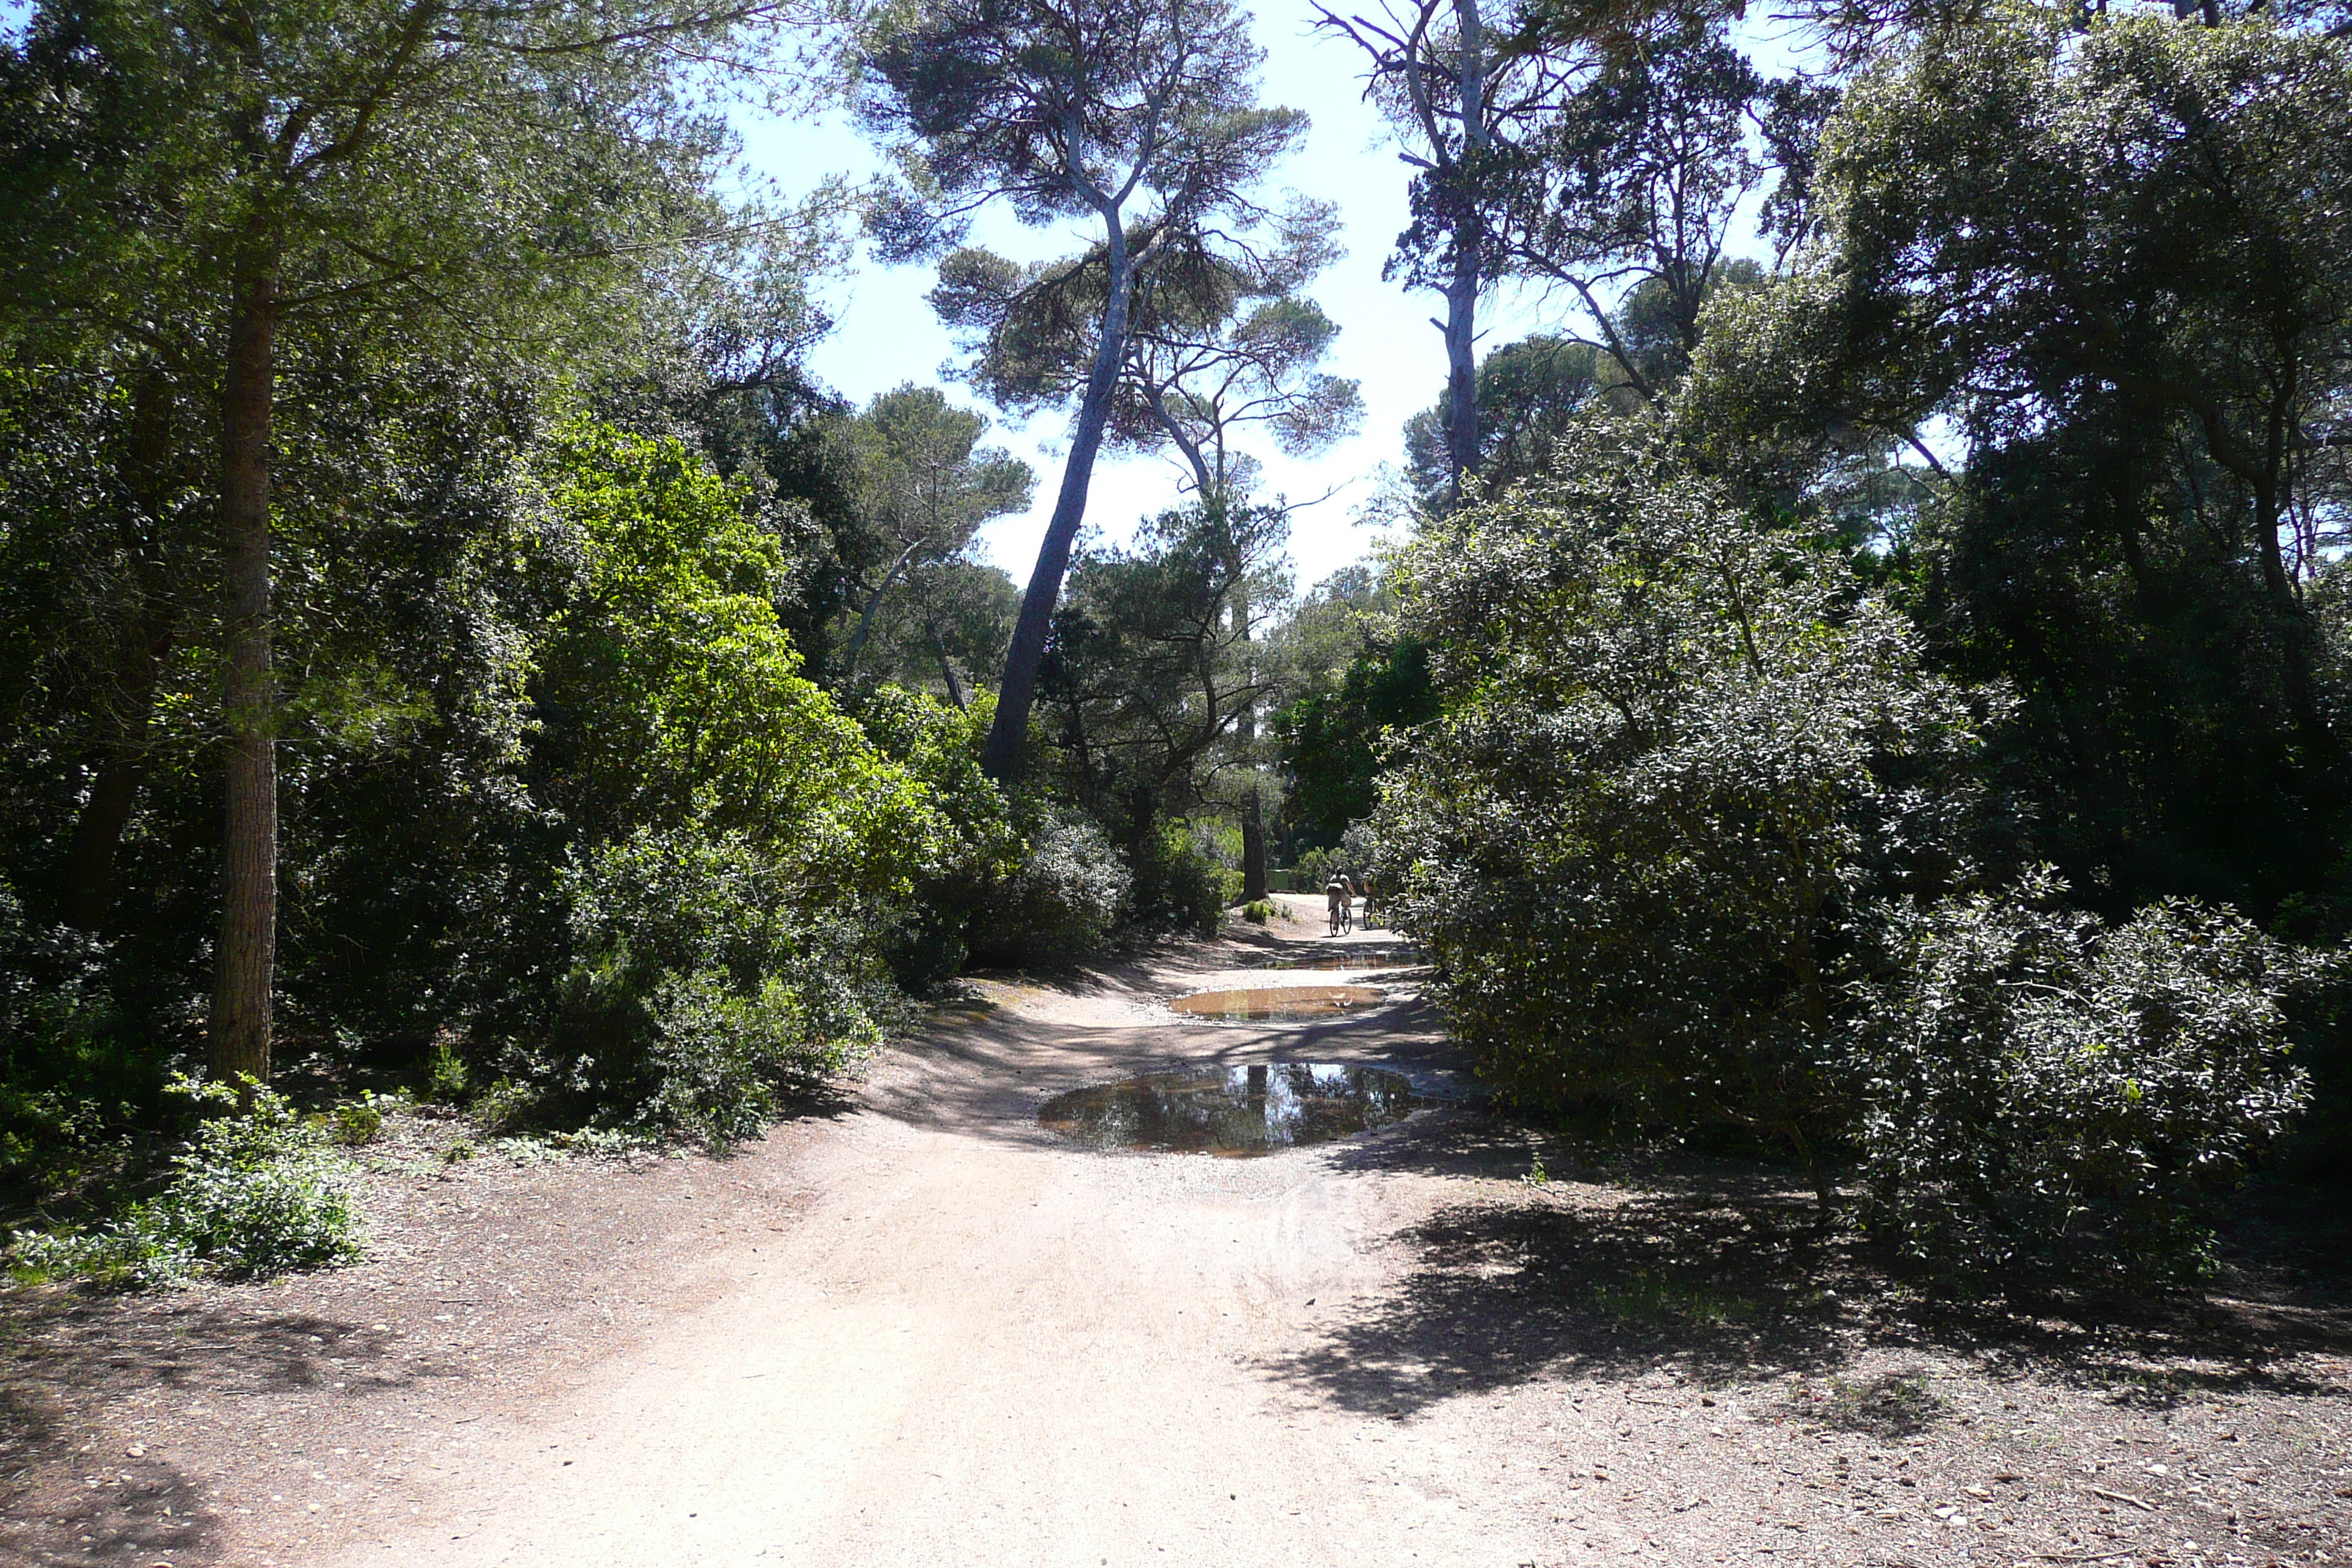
1277	1001
1251	1110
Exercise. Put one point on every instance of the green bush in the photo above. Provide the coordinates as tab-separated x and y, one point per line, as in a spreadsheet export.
1176	887
255	1196
1679	748
1061	903
446	1073
2042	1096
1688	842
978	845
356	1122
80	1086
505	1105
722	1059
1257	912
696	1001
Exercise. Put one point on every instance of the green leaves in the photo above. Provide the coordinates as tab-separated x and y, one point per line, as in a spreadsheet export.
672	698
2042	1097
1676	748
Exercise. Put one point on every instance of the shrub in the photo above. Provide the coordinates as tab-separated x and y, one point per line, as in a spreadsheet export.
79	1084
1062	902
2044	1097
505	1105
1176	887
1313	870
255	1194
446	1074
1257	912
356	1122
696	1001
722	1059
977	847
1678	747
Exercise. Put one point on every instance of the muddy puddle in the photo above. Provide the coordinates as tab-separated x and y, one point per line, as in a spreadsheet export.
1260	1004
1235	1111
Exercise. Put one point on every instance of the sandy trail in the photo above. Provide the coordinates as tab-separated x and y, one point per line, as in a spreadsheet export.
977	1344
923	1330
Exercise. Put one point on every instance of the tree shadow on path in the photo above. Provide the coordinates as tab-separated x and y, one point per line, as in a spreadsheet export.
1735	1281
78	1363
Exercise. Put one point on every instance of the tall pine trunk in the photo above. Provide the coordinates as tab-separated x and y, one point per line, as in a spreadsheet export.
1008	738
245	959
1254	870
1469	243
873	606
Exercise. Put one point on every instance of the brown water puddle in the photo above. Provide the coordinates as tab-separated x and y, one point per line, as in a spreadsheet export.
1234	1110
1260	1004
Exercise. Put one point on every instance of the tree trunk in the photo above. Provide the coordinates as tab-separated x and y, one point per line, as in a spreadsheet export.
247	957
1008	738
1469	239
1245	726
865	621
122	766
1254	874
947	666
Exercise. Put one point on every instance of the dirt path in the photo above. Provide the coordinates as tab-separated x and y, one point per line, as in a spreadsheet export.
924	1332
978	1344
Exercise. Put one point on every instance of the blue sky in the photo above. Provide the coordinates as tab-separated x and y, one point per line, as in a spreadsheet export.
886	334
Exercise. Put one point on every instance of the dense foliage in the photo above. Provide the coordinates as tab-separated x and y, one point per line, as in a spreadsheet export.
2043	1095
1699	839
1868	682
1679	751
1993	527
253	1195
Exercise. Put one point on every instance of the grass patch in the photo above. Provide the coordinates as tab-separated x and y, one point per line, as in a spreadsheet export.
1642	1297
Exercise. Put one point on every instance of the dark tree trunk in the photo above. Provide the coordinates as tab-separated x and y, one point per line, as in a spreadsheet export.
246	960
121	768
1008	738
1254	875
947	666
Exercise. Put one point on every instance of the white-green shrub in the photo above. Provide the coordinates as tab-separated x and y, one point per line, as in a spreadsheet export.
256	1193
2042	1096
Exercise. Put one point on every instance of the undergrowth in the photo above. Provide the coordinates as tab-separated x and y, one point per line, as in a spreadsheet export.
256	1193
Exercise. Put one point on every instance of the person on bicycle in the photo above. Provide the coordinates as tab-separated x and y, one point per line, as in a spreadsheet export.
1335	895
